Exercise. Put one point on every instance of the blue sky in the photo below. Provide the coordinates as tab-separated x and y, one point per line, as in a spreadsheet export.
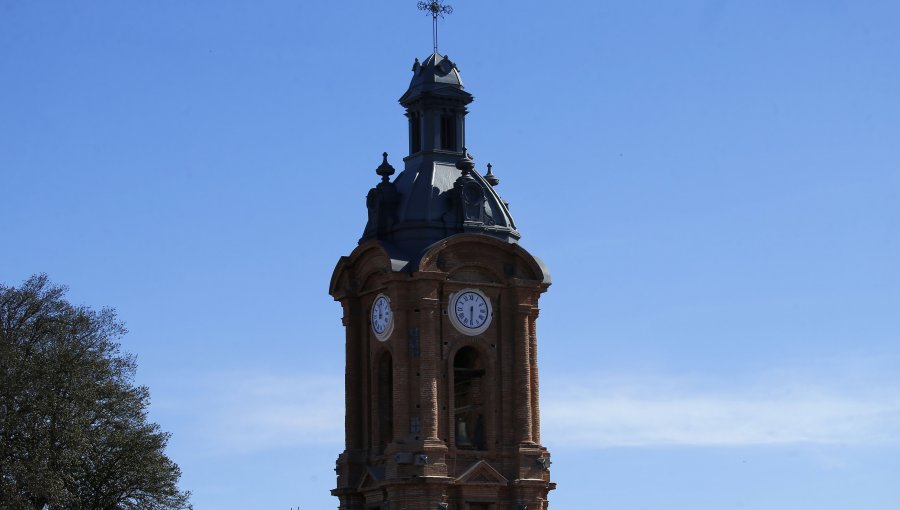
715	186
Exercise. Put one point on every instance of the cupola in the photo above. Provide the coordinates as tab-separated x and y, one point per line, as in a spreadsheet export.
439	193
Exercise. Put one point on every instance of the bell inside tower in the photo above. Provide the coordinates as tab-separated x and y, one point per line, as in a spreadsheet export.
469	399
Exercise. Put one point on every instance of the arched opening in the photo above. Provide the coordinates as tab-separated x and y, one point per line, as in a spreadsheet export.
448	132
415	132
385	401
469	399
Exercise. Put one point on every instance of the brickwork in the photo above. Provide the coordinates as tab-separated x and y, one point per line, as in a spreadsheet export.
464	424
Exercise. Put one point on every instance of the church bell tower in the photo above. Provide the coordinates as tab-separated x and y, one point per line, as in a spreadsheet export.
439	305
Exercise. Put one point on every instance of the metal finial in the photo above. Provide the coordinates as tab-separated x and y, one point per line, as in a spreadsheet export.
437	8
385	169
492	179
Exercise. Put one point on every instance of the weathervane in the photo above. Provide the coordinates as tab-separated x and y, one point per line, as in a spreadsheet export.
437	8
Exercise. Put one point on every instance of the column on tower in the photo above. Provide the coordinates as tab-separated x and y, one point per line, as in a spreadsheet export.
522	367
535	388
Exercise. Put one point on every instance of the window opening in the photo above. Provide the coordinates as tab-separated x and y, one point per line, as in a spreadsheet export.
385	401
415	133
469	399
448	132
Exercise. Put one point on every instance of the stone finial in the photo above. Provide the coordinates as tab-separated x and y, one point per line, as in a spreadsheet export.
385	169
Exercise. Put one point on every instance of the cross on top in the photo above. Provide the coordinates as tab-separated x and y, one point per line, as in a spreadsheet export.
437	8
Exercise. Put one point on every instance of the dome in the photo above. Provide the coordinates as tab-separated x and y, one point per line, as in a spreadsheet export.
439	193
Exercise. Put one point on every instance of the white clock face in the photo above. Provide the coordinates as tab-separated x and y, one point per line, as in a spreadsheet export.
382	318
470	311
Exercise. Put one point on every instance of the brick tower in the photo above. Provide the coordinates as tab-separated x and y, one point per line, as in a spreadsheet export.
439	304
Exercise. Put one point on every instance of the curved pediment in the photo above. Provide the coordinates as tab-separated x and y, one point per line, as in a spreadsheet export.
483	259
361	269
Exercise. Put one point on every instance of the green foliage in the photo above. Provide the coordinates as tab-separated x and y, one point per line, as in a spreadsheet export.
74	433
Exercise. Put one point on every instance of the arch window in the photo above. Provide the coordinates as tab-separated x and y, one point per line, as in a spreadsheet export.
448	132
385	401
415	133
469	399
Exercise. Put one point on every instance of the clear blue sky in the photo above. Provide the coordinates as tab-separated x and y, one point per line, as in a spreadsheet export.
715	186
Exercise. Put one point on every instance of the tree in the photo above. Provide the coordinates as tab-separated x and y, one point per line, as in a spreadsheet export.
74	432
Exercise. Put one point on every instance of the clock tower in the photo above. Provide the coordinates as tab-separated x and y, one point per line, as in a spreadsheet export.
439	305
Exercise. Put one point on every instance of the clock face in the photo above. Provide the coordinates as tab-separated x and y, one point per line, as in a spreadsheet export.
470	311
382	318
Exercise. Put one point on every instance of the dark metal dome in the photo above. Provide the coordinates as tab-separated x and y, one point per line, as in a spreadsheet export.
438	194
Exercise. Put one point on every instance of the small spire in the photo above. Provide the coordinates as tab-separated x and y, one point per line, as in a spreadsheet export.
492	179
385	169
466	163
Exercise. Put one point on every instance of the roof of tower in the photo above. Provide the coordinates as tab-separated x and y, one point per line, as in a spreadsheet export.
431	201
438	75
438	193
